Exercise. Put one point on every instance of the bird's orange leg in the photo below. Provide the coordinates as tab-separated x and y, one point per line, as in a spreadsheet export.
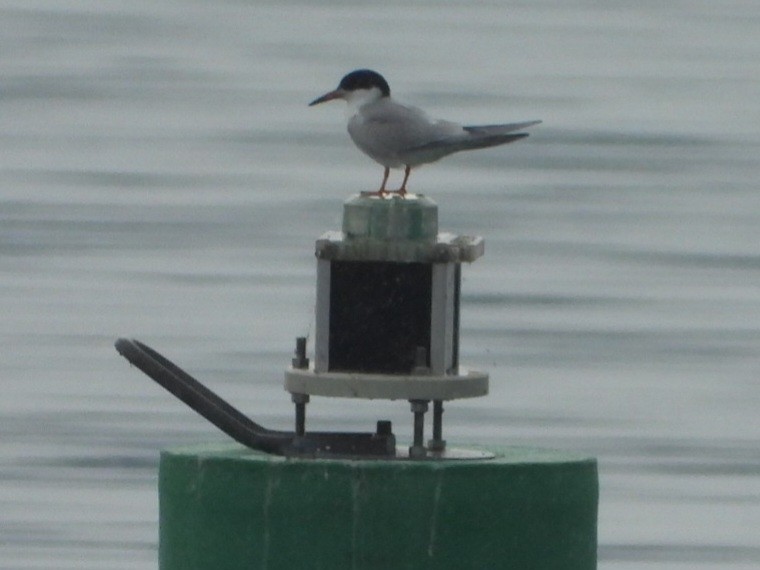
402	191
385	179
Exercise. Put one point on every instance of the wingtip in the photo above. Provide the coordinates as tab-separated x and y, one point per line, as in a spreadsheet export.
500	129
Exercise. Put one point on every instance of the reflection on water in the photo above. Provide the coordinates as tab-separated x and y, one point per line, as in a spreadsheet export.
161	177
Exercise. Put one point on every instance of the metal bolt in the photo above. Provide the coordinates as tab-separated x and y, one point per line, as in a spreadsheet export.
384	427
300	400
419	407
437	443
300	360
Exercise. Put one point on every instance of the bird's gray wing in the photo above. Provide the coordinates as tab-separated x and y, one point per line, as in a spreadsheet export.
401	126
459	143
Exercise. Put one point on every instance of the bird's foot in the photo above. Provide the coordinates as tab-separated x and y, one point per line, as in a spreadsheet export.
379	193
402	192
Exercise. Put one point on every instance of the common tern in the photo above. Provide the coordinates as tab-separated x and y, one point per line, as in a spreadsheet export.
400	136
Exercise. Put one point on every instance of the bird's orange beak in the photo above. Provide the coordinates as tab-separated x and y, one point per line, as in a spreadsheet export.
337	94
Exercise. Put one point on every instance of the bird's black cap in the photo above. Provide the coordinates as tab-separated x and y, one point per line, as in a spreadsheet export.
365	79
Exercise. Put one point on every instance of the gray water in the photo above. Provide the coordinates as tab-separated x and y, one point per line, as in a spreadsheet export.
161	177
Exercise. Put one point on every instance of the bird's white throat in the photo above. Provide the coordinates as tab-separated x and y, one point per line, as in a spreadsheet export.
359	98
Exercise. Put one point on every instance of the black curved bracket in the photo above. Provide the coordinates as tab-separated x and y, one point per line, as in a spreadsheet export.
244	430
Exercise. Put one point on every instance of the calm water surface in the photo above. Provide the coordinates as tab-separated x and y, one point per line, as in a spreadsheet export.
162	178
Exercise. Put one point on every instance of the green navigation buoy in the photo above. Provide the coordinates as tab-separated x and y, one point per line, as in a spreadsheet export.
387	327
227	508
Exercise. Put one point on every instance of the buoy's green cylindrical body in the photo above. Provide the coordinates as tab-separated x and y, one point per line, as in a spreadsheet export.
225	507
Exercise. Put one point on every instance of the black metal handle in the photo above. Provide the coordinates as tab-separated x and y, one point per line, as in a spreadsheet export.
208	404
239	426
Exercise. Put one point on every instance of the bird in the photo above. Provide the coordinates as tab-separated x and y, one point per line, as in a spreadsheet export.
401	136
